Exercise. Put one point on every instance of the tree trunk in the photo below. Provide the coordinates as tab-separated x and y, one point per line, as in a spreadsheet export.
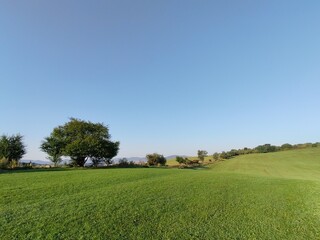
80	161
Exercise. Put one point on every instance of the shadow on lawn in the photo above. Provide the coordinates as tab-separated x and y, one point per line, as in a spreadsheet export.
203	167
59	169
27	170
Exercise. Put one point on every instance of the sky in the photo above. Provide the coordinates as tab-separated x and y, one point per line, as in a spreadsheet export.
169	77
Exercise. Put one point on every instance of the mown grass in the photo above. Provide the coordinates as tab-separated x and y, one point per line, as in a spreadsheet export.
265	196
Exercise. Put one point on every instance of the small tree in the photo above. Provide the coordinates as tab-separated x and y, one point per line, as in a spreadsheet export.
215	156
12	149
202	154
156	159
53	147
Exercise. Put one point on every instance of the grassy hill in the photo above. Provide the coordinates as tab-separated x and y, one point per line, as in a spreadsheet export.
258	196
294	164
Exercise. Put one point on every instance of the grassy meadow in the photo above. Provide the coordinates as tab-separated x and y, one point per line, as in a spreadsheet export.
257	196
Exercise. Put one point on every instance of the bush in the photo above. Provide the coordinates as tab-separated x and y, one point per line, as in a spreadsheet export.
224	155
181	160
156	159
286	146
124	163
215	156
266	148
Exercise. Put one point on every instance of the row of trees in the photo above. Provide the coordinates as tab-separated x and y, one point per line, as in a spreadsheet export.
83	140
188	162
265	148
192	162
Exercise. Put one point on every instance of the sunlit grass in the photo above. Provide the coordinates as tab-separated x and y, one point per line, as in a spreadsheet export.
264	196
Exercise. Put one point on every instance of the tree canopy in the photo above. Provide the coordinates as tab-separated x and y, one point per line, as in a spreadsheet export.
81	141
156	159
53	147
202	154
181	160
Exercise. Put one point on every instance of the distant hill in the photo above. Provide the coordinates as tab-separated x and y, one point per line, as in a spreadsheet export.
39	162
134	159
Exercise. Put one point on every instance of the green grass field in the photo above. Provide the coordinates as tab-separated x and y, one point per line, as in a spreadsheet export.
258	196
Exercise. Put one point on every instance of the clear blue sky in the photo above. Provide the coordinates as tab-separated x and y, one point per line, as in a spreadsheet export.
167	76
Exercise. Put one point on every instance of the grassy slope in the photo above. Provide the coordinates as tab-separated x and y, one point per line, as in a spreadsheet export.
266	196
296	164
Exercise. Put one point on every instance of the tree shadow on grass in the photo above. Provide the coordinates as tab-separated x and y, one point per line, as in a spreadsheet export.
29	170
59	169
201	167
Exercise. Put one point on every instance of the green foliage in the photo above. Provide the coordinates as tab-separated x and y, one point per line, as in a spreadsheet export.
156	159
224	155
81	140
181	160
265	148
286	146
12	149
245	151
3	163
186	162
202	154
53	146
125	163
233	153
215	156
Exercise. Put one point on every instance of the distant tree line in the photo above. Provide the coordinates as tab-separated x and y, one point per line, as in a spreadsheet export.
125	163
265	148
187	162
82	141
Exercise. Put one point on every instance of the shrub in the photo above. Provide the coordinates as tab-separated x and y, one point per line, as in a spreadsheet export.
156	159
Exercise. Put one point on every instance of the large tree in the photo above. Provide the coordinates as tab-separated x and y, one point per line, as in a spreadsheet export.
81	141
12	148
